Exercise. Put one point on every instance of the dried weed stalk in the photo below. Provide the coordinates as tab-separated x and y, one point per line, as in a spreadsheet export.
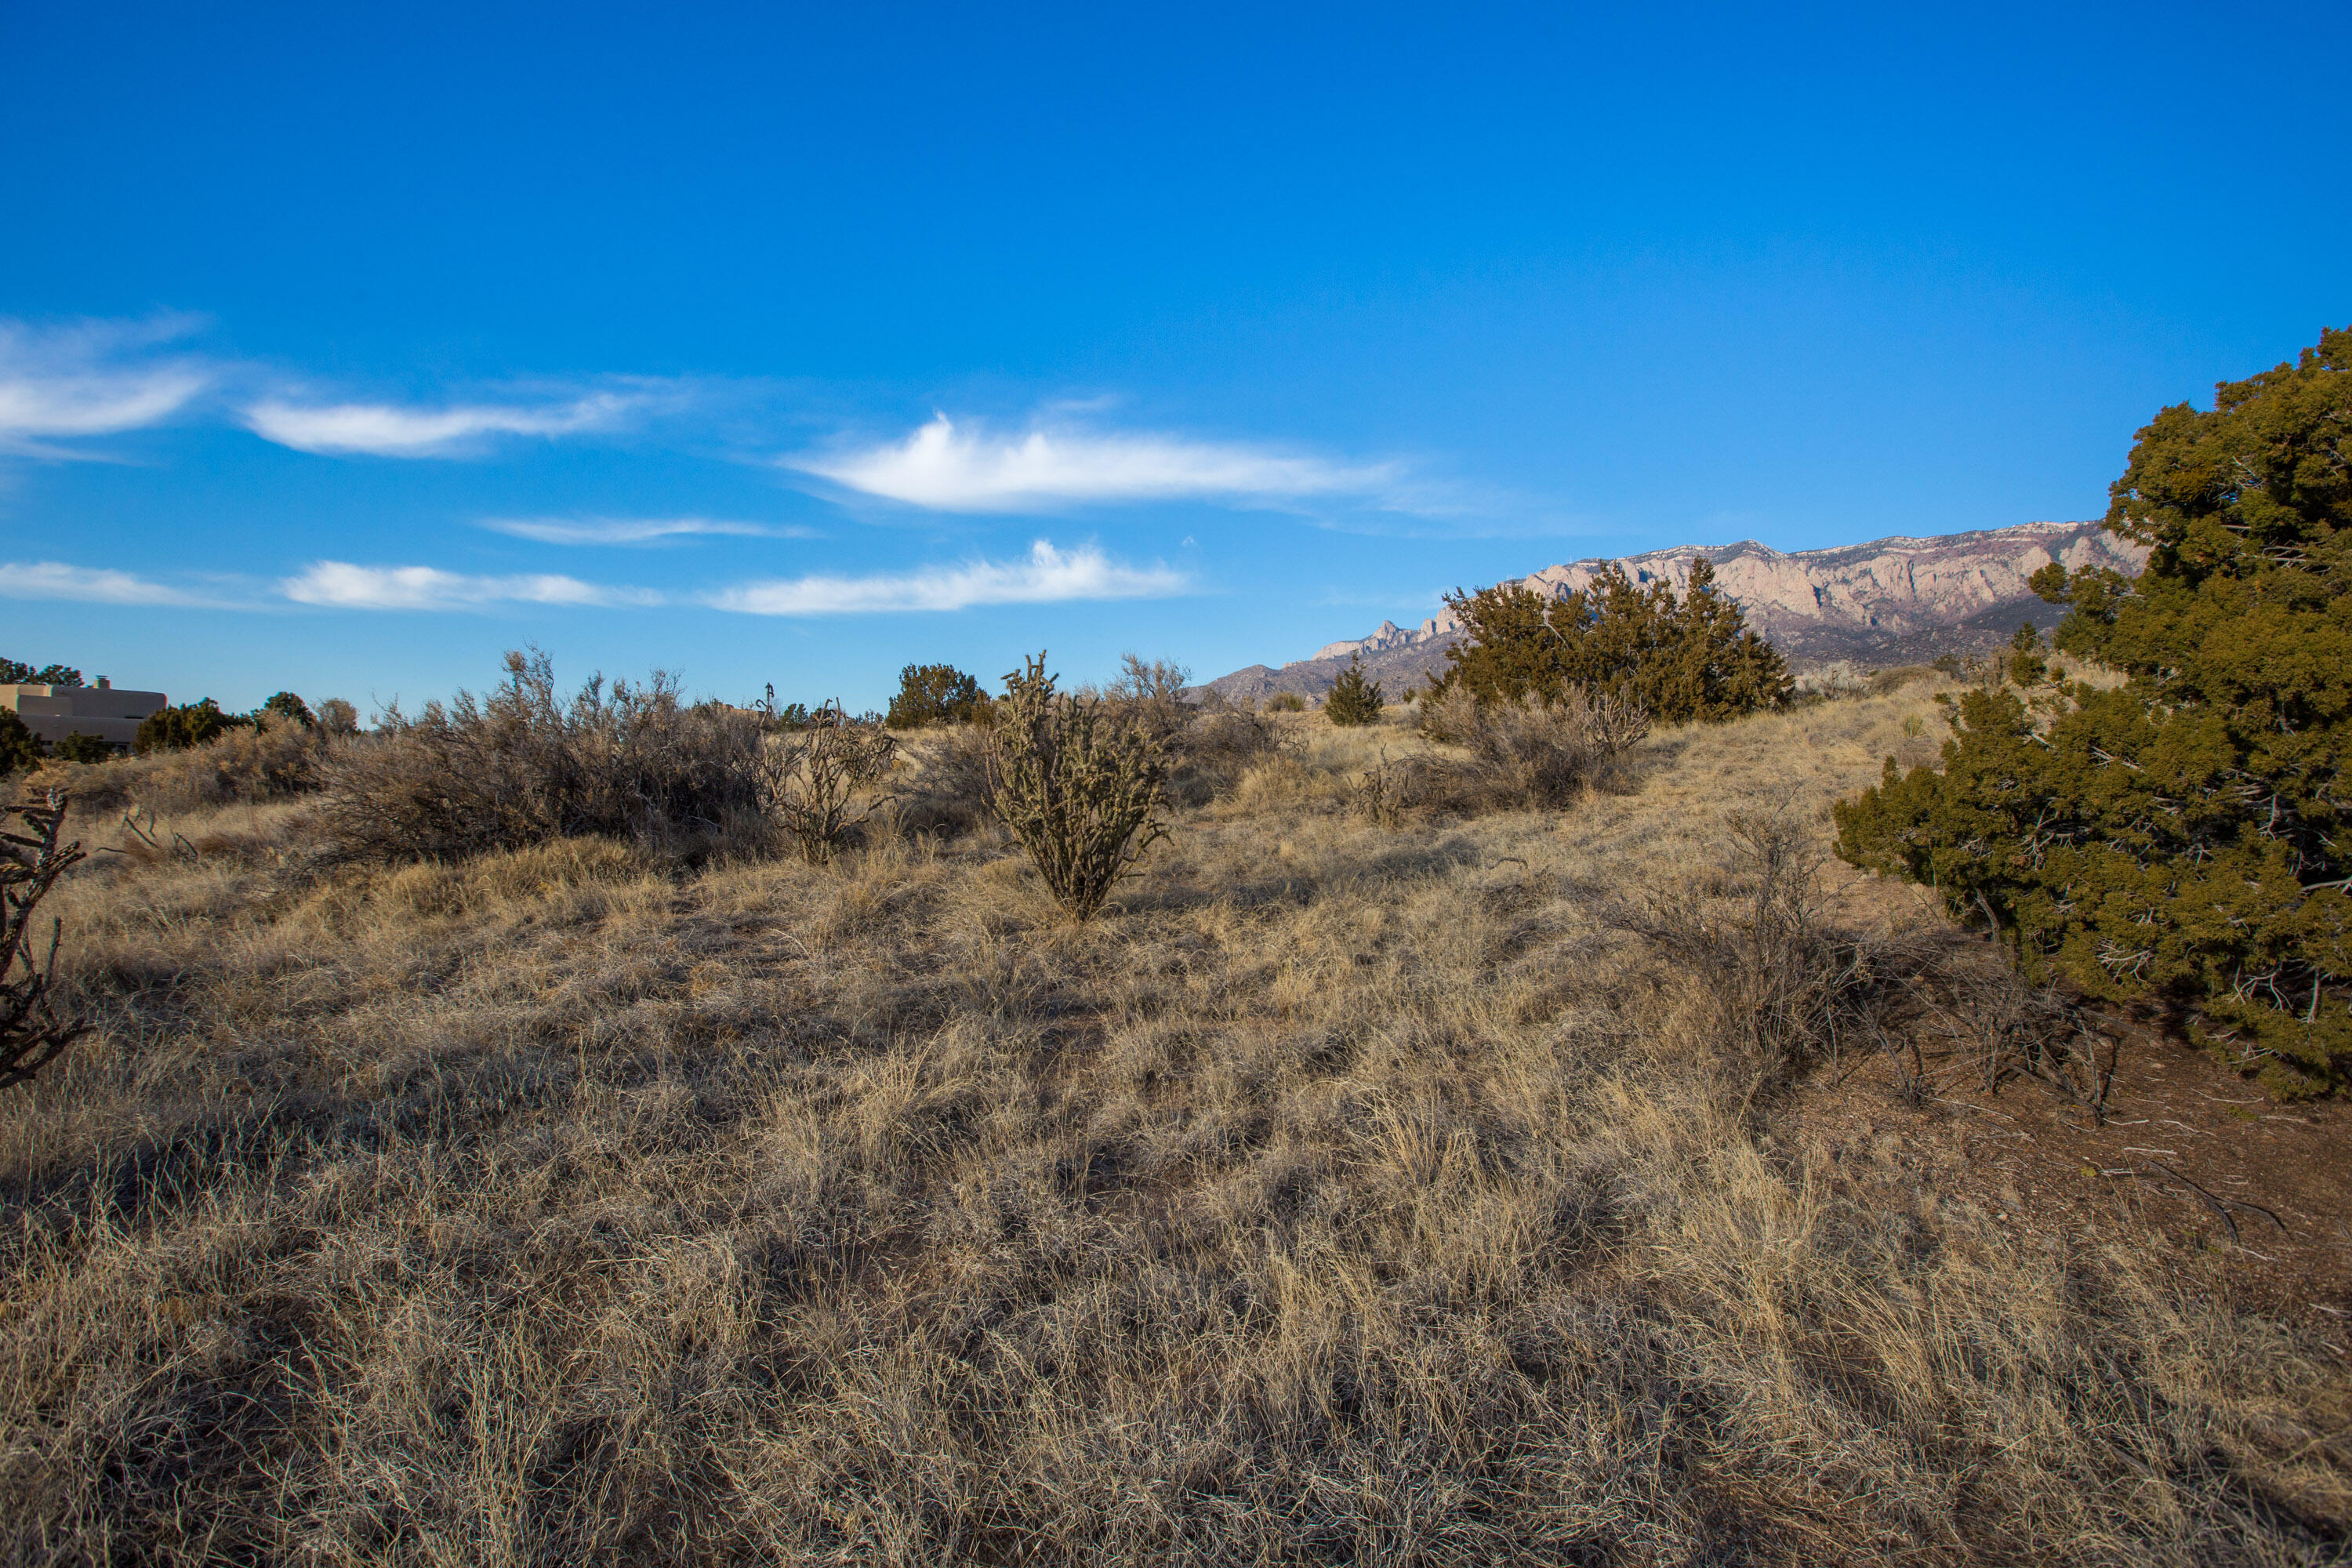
1081	790
32	1035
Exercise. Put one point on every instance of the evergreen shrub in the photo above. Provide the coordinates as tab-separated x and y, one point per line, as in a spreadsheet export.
20	750
1356	700
934	694
1678	658
2180	839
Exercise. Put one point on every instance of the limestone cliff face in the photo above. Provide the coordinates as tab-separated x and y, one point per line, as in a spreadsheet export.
1889	601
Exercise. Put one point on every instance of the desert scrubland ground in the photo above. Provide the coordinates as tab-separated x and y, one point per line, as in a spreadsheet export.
1345	1193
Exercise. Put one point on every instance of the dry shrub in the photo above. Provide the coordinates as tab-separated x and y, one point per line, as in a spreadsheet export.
241	766
522	765
817	785
1522	754
947	795
1210	756
1080	788
1784	988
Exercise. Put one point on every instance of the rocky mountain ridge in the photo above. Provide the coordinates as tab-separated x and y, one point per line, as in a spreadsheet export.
1891	601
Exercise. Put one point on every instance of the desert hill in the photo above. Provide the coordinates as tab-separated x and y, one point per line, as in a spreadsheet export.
1892	601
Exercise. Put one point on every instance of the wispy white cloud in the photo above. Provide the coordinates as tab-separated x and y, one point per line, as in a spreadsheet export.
388	430
91	378
1045	575
634	530
90	584
342	586
948	468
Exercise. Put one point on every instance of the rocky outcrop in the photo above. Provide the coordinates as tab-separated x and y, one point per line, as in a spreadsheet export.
1891	601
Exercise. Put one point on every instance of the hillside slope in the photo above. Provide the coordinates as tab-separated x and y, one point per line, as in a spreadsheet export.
1891	601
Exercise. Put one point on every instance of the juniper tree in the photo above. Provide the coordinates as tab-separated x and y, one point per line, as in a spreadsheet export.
934	694
1681	657
1355	698
2181	838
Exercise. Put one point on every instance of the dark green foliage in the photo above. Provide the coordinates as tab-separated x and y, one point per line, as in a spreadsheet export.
20	751
1355	699
934	694
189	724
81	748
286	705
2182	837
1285	702
1681	657
13	673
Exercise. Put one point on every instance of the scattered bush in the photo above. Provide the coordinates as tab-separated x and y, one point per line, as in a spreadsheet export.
189	724
1150	696
1212	753
933	694
1355	699
948	795
810	784
2181	837
274	758
15	673
1523	753
78	747
338	717
32	1035
287	705
20	749
1080	787
1784	988
521	766
1680	658
1285	702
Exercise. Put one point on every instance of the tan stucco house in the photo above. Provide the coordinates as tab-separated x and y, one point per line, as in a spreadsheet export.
106	713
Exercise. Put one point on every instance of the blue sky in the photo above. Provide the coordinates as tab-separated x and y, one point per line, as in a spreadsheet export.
793	344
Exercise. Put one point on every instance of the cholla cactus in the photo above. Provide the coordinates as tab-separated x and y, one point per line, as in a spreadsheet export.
1082	791
31	1034
808	783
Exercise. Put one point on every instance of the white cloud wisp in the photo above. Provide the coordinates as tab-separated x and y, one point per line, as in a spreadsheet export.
92	379
340	584
1047	574
86	585
385	430
632	529
950	469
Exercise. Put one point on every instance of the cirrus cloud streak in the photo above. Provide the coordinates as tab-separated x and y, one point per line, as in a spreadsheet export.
91	378
946	469
388	430
1046	574
87	585
341	584
634	530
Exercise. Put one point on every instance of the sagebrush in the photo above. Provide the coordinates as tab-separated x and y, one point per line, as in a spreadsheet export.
523	765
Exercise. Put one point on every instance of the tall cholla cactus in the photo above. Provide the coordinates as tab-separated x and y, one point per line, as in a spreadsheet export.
1082	791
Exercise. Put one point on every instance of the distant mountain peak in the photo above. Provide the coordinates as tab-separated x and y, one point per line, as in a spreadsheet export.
1887	601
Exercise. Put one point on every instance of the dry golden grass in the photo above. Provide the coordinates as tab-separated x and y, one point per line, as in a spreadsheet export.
1345	1194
